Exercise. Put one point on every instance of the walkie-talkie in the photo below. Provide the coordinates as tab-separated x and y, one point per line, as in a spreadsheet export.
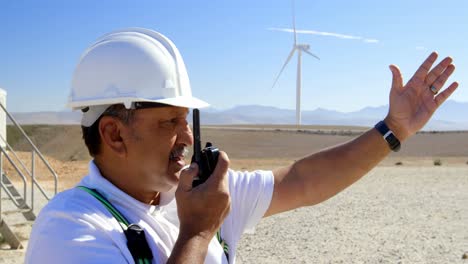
206	158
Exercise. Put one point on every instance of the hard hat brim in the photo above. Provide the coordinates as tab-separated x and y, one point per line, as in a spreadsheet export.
97	107
189	102
181	101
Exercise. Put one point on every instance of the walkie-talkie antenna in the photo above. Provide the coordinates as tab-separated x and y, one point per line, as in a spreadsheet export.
206	158
196	136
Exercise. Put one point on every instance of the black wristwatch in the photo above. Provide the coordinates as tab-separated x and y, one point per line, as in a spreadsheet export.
388	135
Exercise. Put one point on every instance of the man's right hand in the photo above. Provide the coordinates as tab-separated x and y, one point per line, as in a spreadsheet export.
202	209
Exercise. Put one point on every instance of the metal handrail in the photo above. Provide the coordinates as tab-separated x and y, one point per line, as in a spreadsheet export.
37	183
31	173
16	156
22	177
17	159
33	146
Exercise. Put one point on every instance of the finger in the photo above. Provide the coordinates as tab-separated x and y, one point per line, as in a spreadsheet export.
218	178
426	66
438	70
186	177
439	83
397	79
439	99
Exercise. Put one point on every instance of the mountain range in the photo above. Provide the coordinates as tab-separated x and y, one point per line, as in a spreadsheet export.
452	115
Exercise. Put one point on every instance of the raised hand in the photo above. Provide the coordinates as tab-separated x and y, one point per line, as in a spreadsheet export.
413	104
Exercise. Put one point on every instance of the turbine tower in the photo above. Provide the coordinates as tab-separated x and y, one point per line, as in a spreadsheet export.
299	48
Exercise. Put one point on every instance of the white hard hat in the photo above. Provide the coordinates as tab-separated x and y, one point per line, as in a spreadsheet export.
128	66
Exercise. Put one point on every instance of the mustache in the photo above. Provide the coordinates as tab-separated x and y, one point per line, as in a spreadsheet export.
179	151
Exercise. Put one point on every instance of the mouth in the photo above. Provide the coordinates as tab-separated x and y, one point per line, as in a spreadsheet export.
177	155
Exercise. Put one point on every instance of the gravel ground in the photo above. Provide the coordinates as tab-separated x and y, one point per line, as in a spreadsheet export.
393	215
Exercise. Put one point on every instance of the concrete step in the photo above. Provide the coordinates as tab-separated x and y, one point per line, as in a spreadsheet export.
19	226
24	224
9	236
16	211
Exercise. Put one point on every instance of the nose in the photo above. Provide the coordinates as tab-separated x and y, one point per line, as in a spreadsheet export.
185	135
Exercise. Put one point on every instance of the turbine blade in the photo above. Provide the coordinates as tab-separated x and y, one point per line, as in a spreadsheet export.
284	66
294	23
311	54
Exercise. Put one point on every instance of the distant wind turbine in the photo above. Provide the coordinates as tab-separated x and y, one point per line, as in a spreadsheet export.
299	48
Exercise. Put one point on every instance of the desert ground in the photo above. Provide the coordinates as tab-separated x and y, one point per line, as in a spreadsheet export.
412	208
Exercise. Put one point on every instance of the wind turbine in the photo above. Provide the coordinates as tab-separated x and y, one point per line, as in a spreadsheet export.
299	48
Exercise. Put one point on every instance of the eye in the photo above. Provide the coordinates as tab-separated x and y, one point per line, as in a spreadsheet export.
176	121
170	122
173	122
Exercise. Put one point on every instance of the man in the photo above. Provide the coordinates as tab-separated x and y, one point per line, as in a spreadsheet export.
134	92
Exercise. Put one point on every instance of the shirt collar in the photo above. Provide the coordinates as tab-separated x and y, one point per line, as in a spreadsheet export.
96	181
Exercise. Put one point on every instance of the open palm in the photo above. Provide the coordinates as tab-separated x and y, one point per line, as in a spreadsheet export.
413	104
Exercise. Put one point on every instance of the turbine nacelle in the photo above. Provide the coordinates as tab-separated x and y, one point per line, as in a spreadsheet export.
304	47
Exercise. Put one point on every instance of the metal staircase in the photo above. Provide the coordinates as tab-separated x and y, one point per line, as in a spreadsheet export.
19	181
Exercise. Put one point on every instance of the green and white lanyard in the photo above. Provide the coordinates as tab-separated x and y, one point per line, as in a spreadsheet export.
223	243
136	240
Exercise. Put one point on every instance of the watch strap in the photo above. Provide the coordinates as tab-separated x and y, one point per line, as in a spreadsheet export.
388	135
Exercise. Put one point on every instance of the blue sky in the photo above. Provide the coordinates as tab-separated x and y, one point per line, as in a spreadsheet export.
232	54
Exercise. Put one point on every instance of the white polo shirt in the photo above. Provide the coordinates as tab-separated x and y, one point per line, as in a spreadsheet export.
74	227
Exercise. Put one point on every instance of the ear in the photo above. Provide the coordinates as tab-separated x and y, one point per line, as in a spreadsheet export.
111	130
